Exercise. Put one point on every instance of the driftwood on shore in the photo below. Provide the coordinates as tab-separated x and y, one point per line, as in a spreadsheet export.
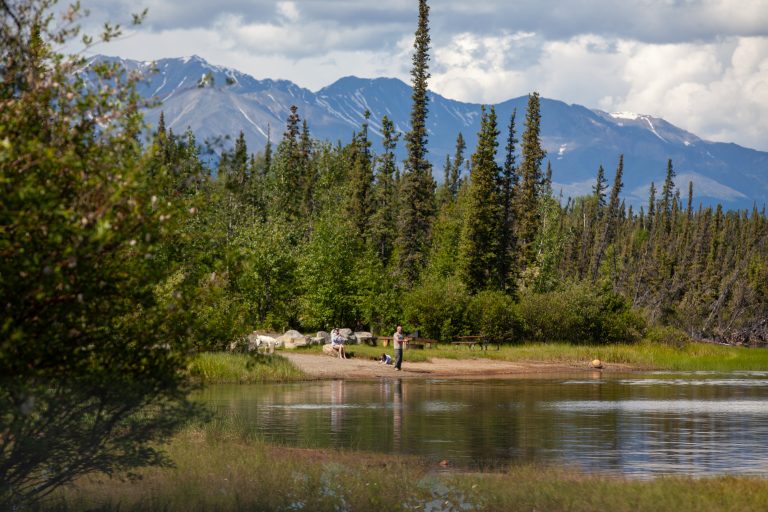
755	335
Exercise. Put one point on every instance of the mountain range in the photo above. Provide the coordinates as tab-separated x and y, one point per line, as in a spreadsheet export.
215	101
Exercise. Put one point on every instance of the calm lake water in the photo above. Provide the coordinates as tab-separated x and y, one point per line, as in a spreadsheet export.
638	425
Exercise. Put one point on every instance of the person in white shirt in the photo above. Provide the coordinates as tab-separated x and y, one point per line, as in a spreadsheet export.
337	342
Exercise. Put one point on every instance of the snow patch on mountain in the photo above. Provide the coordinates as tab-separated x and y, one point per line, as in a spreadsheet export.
653	129
631	116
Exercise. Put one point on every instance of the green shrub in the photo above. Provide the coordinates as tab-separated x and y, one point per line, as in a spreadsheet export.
493	313
580	313
436	307
666	335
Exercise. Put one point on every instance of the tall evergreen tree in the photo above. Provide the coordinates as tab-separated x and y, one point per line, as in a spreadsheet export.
417	205
598	190
361	181
667	194
508	188
287	178
479	249
268	153
384	221
652	206
527	201
458	161
611	219
237	175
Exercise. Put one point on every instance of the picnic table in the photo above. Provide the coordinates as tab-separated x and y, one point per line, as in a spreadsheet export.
477	340
412	342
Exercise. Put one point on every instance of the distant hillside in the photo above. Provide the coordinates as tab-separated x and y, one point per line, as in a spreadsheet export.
215	101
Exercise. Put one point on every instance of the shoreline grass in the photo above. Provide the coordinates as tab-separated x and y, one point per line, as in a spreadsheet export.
218	468
226	368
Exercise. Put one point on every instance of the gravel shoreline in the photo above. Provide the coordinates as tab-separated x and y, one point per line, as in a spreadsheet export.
321	366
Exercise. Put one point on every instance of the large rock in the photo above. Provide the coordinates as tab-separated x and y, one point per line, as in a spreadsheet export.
324	335
364	337
328	350
293	334
293	339
254	342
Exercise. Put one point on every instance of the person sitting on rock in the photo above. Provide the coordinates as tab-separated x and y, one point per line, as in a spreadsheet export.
337	342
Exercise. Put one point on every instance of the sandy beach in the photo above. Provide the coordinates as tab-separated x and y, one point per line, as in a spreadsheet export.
325	367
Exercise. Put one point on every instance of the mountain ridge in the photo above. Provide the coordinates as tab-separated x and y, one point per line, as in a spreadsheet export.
215	101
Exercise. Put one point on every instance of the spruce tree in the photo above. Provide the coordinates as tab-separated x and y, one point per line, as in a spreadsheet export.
361	181
478	251
417	203
652	206
667	193
611	219
268	153
384	221
458	161
508	188
598	190
237	177
527	202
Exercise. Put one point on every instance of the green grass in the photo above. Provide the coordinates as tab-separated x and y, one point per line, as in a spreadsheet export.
225	368
643	355
219	468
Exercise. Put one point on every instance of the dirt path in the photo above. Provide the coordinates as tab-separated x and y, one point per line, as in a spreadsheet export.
325	367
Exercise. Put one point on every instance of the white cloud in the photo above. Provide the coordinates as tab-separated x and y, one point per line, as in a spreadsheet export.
288	10
718	90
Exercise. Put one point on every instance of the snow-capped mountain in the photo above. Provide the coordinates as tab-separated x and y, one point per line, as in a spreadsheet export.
215	101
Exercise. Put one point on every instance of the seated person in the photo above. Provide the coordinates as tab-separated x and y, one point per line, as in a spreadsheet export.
385	358
337	342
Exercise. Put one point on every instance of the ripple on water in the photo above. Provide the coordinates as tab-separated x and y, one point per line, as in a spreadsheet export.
754	407
756	383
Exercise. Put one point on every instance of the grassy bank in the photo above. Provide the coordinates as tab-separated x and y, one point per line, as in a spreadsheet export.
225	368
220	468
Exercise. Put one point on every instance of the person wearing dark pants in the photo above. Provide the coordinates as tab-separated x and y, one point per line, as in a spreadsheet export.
399	341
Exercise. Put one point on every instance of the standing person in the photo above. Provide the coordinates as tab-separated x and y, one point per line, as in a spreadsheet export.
399	340
337	342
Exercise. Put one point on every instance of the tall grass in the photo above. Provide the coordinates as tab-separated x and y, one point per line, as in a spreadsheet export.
225	368
220	470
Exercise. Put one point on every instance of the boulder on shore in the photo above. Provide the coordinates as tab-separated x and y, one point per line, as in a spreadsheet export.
364	337
328	350
254	342
293	339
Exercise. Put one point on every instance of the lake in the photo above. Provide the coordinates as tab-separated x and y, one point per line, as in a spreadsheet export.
639	425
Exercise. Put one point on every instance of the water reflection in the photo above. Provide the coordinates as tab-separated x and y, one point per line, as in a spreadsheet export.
695	424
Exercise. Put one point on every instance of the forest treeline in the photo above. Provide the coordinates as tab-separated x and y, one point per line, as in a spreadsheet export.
309	235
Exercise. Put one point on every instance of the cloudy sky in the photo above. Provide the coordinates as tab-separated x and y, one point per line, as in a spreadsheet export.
700	64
